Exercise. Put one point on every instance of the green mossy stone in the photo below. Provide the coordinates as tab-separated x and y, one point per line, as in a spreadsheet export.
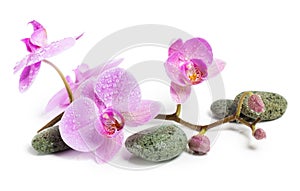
158	143
49	141
275	106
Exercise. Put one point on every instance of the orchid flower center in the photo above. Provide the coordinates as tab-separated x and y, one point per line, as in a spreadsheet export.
193	73
112	122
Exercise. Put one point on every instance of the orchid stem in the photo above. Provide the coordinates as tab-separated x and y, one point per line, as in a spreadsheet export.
71	98
52	122
240	104
178	110
67	86
203	128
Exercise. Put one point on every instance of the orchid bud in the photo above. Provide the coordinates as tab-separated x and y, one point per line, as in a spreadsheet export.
256	104
259	134
199	144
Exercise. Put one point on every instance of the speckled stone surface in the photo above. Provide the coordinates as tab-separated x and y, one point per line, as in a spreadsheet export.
222	108
158	143
275	106
49	141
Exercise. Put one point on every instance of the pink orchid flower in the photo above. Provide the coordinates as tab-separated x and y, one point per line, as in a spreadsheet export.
82	73
94	122
190	63
39	50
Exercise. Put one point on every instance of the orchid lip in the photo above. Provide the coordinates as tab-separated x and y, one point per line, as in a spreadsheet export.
193	73
112	122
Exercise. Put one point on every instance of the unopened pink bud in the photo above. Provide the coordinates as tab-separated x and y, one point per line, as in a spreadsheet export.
259	134
199	144
256	104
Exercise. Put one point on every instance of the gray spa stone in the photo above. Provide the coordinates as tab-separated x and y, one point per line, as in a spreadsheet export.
158	143
49	141
222	108
275	106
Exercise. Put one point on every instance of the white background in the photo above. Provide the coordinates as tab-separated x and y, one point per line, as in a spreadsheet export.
259	41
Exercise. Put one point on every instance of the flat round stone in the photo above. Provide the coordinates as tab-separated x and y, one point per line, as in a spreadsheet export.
158	143
49	141
275	106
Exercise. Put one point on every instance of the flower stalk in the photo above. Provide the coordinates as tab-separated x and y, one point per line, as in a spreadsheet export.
67	86
203	128
69	91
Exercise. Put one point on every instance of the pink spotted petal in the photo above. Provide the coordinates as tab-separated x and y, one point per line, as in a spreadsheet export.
117	88
39	36
28	75
46	52
142	113
77	126
180	93
198	48
215	68
173	68
29	46
109	148
86	89
176	46
22	63
56	47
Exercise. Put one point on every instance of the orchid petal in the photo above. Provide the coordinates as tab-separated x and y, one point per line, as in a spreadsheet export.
61	99
56	47
39	36
79	72
118	88
22	63
28	75
110	64
86	89
29	46
109	148
176	46
77	126
215	68
179	93
45	52
36	25
83	72
197	48
173	68
142	113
